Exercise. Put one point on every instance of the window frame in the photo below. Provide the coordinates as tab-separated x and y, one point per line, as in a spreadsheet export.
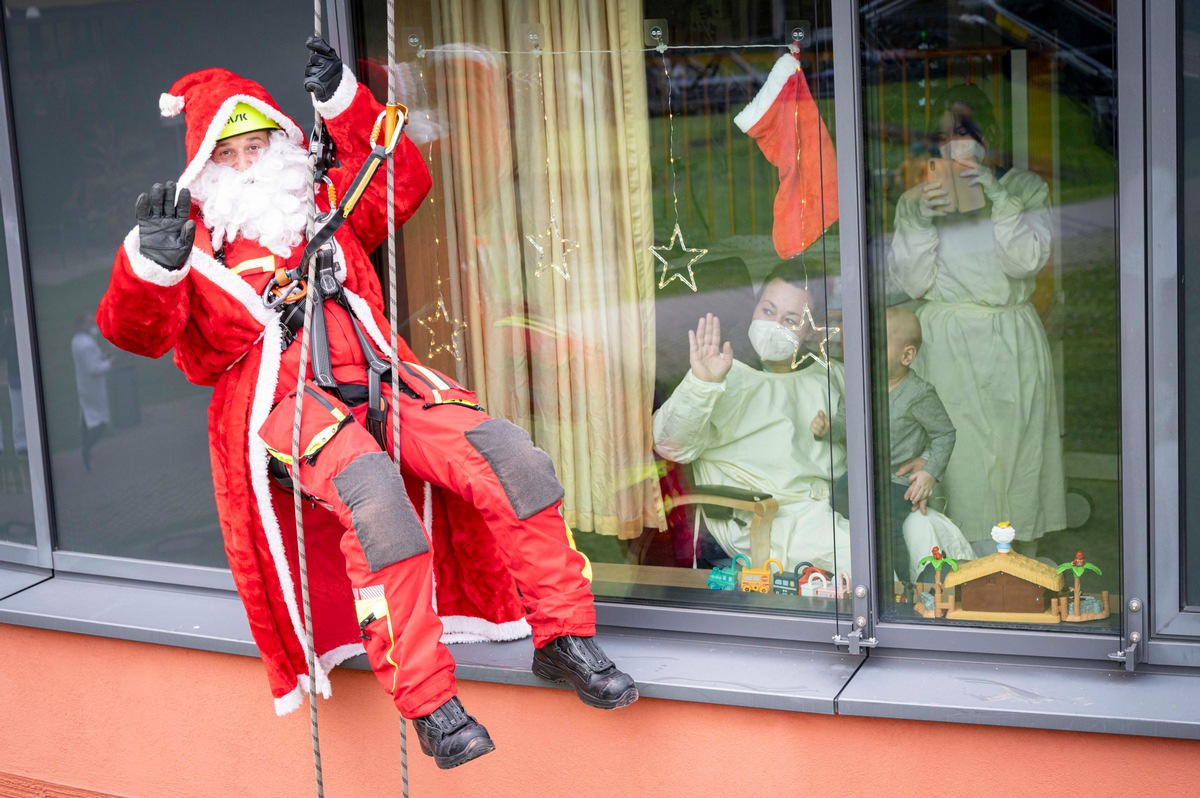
908	637
1170	622
38	556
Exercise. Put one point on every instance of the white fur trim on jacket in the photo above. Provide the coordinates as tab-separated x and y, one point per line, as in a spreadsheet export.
234	285
147	269
341	98
336	656
427	517
264	398
785	68
290	702
464	629
218	124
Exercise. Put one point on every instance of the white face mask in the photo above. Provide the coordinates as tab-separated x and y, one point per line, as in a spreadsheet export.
773	342
962	149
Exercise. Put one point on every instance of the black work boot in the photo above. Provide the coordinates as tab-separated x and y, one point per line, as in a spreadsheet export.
451	736
580	662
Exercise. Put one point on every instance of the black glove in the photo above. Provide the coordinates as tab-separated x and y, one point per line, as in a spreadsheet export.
165	229
323	74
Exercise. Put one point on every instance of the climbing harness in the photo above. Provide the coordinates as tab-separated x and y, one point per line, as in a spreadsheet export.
395	117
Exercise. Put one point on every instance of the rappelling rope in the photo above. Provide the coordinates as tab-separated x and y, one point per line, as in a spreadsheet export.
309	301
393	321
297	493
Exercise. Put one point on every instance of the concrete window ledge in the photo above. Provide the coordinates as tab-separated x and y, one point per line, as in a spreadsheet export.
999	691
1071	695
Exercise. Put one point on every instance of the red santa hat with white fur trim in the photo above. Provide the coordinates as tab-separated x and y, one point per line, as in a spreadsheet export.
207	99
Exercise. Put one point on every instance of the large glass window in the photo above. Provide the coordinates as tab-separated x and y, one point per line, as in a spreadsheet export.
630	251
16	502
992	252
127	436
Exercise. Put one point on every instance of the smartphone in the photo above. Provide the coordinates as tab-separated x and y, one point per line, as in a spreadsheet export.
962	195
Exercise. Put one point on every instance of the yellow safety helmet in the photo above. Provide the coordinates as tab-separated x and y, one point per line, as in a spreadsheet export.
245	119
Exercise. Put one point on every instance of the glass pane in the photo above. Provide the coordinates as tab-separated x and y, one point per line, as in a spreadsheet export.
130	468
993	274
1189	201
16	501
594	201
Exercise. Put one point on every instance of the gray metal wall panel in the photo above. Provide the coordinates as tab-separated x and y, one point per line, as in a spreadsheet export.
204	620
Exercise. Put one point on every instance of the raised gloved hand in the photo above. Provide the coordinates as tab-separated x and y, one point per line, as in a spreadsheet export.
163	224
932	200
985	178
323	74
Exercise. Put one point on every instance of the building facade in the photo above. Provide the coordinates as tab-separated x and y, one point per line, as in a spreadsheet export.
606	174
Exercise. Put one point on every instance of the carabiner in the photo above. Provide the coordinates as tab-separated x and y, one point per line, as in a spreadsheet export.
275	294
401	123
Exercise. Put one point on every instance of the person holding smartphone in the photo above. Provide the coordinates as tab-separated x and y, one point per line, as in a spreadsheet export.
985	351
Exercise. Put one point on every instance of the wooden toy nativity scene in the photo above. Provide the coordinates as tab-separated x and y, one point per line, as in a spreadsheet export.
1005	587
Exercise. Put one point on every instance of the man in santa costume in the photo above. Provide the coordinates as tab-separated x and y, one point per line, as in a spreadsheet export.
191	276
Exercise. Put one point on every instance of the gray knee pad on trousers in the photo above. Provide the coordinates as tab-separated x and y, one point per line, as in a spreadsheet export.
387	526
525	472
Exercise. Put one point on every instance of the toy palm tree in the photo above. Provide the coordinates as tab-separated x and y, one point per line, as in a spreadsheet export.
937	560
1078	566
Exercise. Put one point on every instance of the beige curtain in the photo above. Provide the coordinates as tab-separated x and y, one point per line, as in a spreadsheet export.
571	360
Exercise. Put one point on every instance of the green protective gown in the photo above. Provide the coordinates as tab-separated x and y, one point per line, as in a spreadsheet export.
985	352
752	431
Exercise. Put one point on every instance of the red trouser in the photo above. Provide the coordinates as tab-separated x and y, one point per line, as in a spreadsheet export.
452	446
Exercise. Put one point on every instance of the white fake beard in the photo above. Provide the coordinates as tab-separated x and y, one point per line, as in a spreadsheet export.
267	203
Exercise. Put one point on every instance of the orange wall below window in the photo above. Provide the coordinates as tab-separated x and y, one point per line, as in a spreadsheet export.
131	719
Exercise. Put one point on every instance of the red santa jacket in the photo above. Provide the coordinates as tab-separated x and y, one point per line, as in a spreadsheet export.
224	337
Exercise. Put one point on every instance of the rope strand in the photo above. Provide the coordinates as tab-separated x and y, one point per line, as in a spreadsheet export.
393	317
297	488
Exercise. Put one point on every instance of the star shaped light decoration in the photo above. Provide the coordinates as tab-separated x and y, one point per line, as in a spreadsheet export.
547	241
676	273
457	326
822	342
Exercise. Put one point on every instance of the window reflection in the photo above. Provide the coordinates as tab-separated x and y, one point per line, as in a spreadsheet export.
992	228
136	484
594	201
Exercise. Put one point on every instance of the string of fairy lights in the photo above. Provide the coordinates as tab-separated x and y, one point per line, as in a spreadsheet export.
799	356
453	344
551	246
684	274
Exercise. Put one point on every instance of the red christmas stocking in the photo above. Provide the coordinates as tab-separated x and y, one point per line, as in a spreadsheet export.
784	120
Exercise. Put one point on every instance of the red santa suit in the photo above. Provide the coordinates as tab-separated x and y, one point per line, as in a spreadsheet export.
493	524
784	120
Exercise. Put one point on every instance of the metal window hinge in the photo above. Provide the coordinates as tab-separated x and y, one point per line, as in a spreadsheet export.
855	642
1128	655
